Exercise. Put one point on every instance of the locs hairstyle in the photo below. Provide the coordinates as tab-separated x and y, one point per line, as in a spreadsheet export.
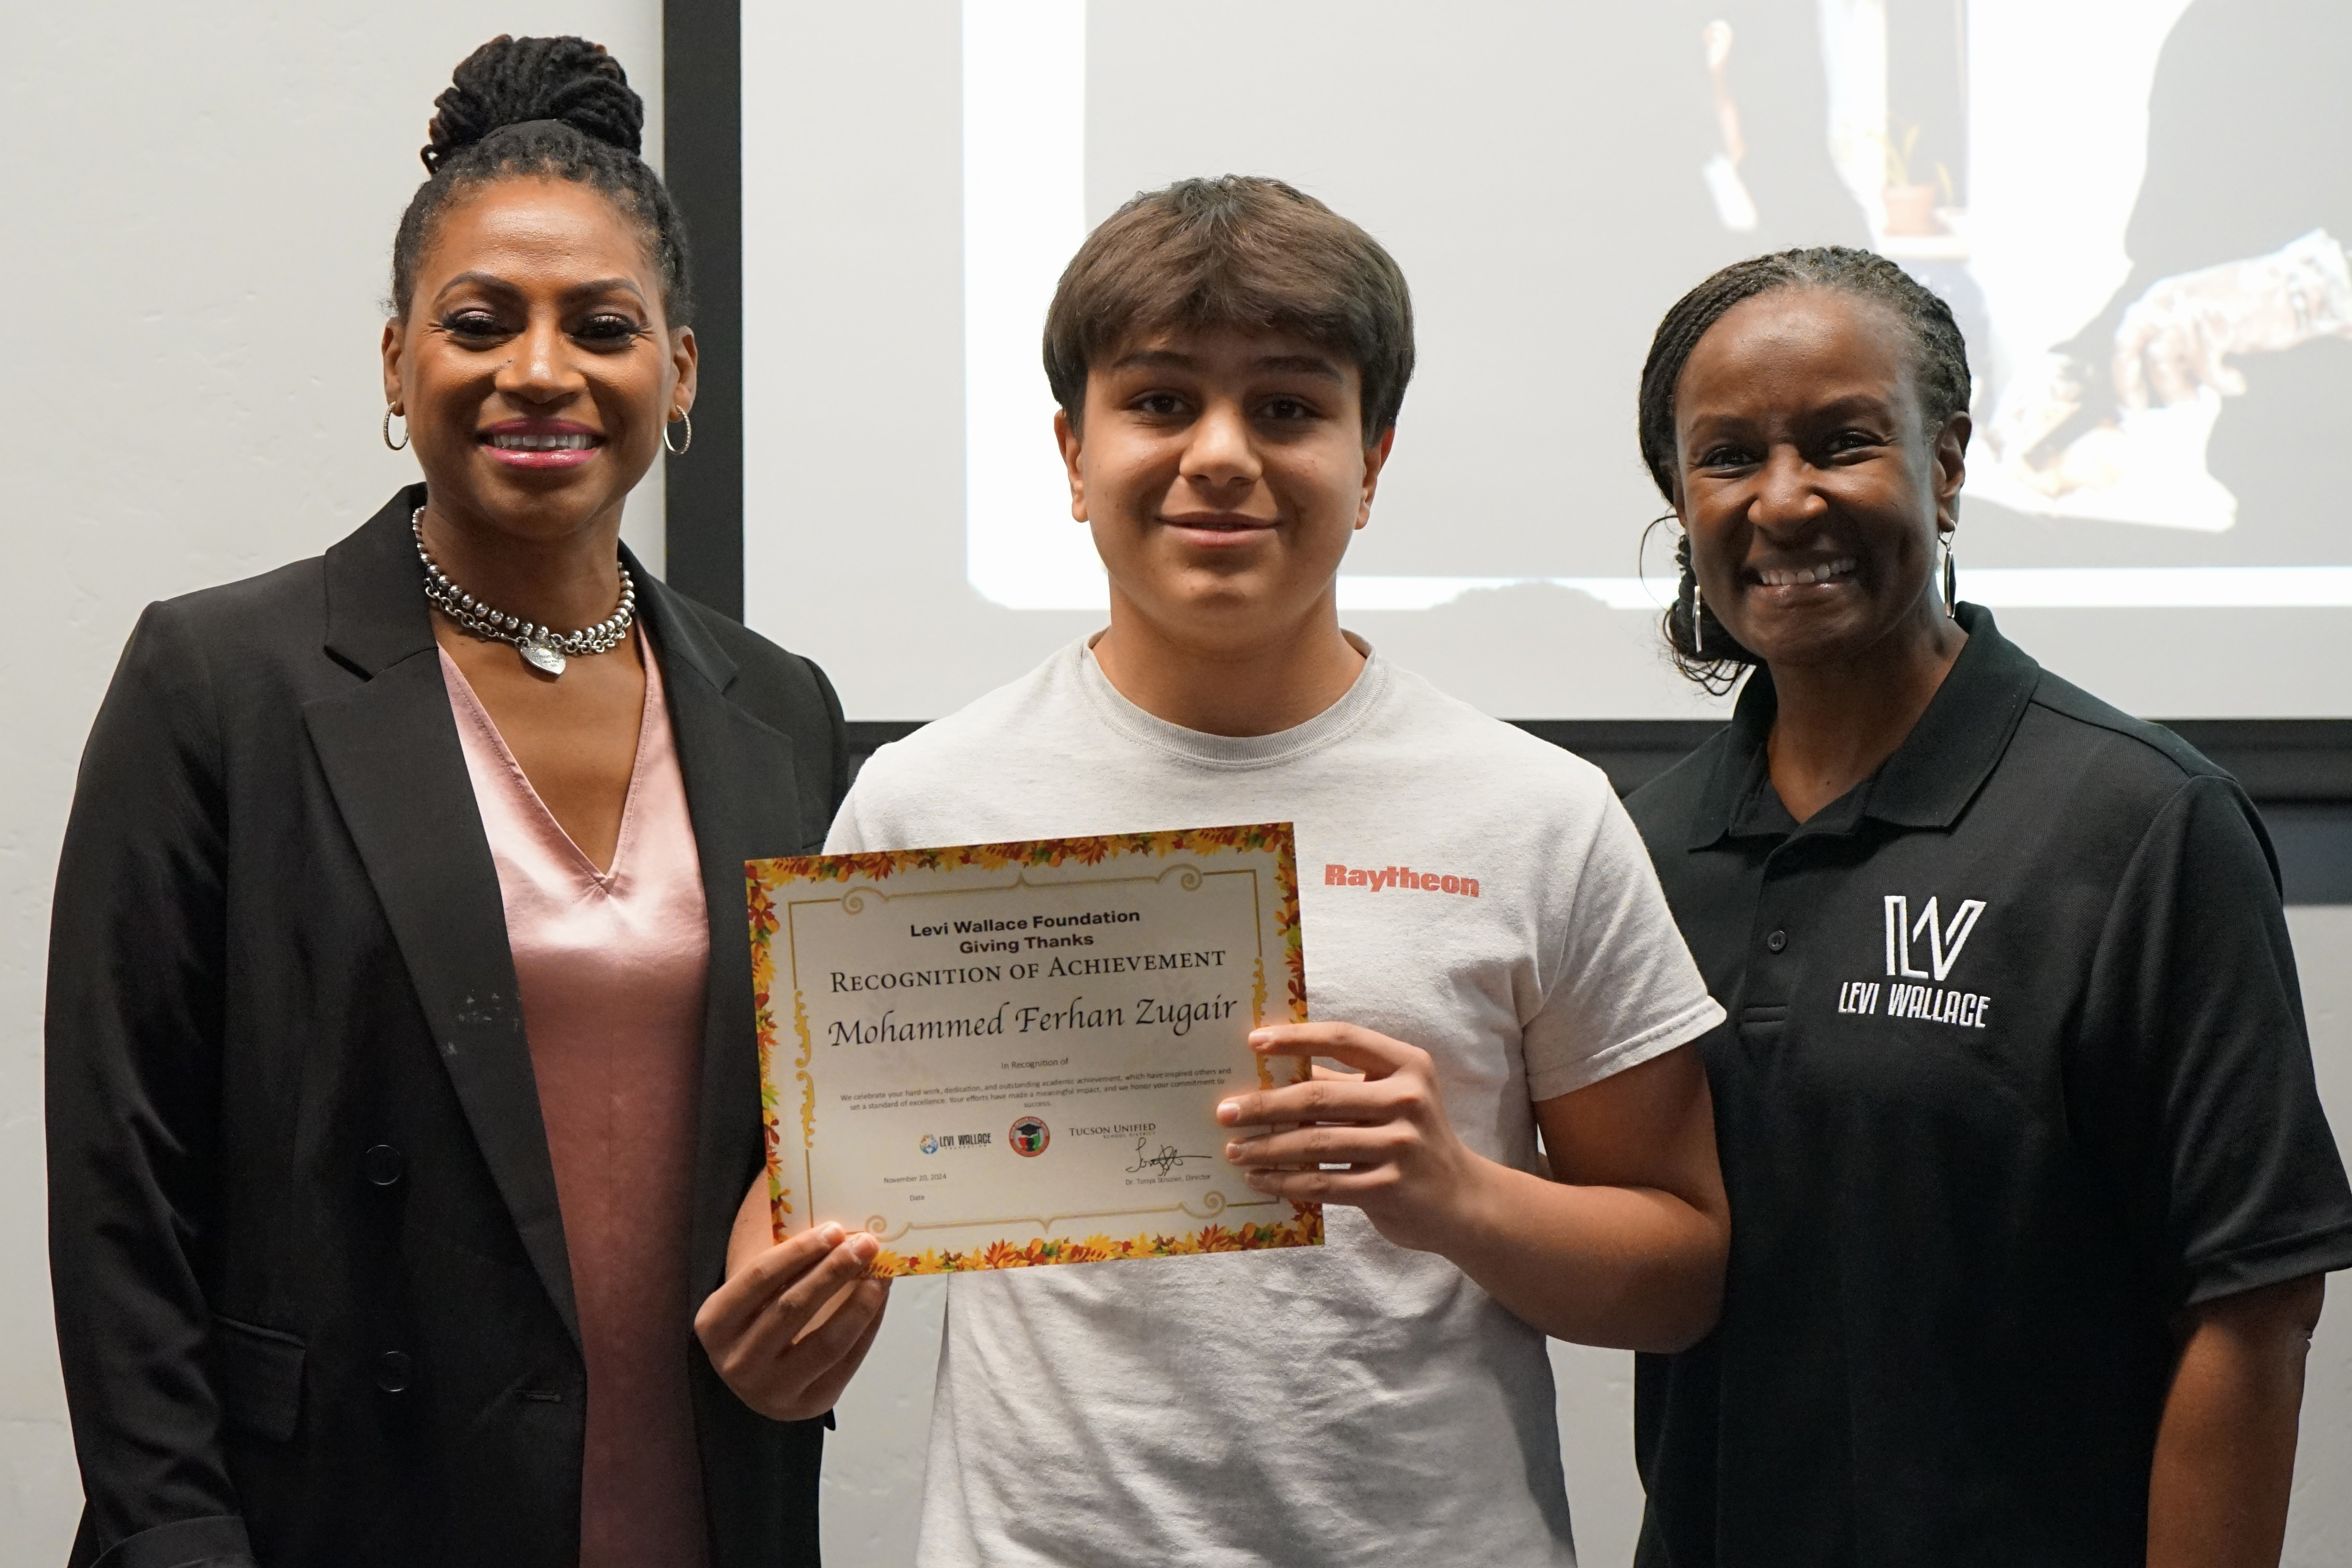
554	108
1236	251
1939	372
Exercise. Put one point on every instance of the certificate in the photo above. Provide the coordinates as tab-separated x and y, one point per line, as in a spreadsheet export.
997	1056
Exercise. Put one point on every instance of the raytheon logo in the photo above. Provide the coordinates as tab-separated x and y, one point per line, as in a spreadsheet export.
1377	877
1944	943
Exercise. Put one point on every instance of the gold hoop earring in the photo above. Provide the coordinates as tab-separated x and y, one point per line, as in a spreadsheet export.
1951	583
679	451
387	430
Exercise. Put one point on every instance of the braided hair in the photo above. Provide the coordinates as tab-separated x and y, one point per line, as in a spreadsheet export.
1708	653
558	107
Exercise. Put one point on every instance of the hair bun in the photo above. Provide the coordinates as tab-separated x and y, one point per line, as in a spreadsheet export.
510	80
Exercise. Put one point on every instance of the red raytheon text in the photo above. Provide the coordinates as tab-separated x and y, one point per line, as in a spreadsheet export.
1375	879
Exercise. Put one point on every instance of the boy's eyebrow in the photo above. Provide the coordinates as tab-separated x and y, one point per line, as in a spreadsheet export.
1176	359
1303	364
1145	359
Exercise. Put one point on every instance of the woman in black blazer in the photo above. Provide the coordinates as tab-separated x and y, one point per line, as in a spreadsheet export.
318	1297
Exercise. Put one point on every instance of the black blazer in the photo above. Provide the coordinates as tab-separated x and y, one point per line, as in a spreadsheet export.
312	1296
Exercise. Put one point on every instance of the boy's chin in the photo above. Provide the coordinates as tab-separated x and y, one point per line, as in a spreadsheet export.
1221	605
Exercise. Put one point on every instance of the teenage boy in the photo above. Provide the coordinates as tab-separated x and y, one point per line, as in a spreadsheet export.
1485	940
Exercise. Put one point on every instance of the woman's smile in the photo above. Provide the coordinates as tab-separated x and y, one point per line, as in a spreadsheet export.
540	443
1825	572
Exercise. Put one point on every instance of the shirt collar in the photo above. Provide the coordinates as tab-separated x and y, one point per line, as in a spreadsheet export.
1929	780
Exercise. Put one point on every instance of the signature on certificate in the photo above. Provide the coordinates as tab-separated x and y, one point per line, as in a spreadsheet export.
1165	1160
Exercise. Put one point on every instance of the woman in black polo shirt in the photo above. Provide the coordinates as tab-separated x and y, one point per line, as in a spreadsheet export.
2031	1192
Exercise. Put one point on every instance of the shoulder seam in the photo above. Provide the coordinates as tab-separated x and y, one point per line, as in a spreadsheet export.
1594	829
2124	731
2189	784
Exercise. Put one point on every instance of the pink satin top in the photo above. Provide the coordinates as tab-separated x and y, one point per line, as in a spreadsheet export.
612	965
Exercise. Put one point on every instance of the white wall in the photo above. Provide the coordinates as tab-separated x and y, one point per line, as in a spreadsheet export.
196	209
194	217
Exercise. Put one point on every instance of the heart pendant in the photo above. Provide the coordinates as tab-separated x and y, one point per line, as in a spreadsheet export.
542	655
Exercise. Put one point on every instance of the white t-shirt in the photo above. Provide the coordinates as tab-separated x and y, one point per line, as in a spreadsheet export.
1463	887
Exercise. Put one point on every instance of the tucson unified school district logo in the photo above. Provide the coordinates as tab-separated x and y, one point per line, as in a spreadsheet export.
1910	941
1029	1136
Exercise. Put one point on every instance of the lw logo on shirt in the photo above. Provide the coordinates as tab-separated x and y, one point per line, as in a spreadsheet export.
1944	943
1940	943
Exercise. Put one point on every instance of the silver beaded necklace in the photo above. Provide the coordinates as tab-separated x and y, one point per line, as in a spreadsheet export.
540	648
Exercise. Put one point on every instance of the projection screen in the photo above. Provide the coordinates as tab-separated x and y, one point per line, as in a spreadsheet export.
2136	208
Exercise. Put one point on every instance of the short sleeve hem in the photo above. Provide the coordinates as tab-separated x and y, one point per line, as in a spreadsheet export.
2243	1269
1656	1041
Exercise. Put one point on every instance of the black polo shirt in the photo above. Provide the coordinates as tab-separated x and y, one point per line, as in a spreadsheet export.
2015	1070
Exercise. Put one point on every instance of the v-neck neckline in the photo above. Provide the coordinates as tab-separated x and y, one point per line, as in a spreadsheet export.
604	879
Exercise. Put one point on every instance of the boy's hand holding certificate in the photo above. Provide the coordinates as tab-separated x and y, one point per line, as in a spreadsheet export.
1002	1054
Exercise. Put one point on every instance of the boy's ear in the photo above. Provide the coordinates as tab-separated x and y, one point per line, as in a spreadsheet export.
1065	434
1376	456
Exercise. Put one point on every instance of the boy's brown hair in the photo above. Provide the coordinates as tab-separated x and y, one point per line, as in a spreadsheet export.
1237	251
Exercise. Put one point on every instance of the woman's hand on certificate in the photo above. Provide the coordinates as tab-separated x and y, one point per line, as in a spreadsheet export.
795	1317
1380	1142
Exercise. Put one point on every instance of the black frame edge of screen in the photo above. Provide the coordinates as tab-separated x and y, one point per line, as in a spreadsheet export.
702	154
2299	770
2281	762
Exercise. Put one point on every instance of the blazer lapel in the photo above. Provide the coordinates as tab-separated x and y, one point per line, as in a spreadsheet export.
390	751
743	794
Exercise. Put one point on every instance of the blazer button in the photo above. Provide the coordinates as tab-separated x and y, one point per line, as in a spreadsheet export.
383	1164
1777	941
394	1372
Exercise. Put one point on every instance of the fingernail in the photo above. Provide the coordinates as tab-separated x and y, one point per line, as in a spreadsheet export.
1233	1151
832	1233
1229	1111
864	1248
1260	1038
1258	1179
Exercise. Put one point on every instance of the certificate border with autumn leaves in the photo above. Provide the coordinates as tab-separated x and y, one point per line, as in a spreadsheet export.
768	882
